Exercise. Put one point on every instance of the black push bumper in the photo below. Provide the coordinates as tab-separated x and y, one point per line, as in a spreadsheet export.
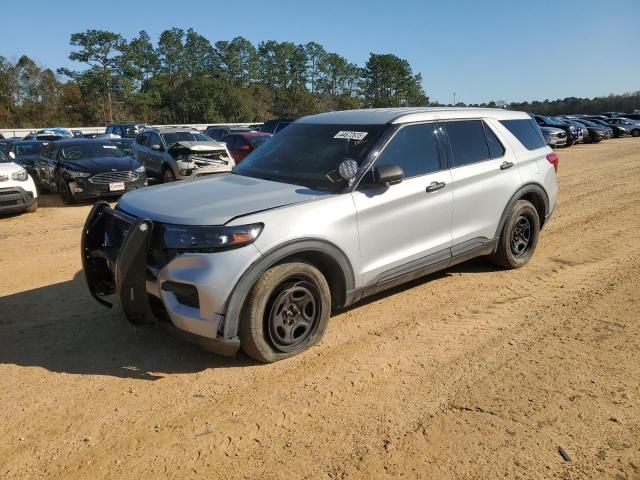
115	249
118	266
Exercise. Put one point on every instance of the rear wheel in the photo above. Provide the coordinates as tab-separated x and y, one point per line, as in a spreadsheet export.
286	312
519	236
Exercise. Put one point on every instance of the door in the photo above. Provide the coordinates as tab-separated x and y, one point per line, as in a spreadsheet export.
155	158
485	177
141	149
406	227
51	166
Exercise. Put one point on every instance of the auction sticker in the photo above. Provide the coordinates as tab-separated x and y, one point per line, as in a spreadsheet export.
349	135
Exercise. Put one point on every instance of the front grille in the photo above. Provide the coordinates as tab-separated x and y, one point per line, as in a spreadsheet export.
115	230
217	155
114	177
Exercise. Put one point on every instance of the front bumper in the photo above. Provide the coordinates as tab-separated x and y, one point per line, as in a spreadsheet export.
82	188
119	264
201	172
15	199
557	142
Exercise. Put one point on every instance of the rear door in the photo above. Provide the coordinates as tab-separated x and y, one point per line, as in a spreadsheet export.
406	228
484	175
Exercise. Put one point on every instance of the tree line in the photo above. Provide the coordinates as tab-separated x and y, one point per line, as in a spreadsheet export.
184	78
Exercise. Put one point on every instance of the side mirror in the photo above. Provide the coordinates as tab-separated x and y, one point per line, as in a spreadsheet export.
156	147
388	175
244	148
12	155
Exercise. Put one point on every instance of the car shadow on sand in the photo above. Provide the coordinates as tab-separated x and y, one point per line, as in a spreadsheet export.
61	328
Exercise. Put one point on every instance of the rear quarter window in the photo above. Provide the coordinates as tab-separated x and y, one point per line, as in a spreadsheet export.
527	132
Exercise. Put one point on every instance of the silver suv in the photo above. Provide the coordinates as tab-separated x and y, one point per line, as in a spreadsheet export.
336	207
176	153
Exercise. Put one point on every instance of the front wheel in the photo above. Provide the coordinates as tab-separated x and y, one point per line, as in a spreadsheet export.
635	133
286	312
519	236
65	193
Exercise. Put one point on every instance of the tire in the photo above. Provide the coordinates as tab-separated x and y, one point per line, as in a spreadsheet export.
635	133
286	312
519	236
65	193
33	207
168	175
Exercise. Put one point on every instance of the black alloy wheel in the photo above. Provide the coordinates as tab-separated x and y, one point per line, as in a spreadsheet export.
521	236
294	314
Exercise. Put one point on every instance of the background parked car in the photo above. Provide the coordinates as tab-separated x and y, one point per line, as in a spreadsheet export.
632	127
25	153
571	131
634	117
242	144
125	145
618	130
274	126
217	132
82	168
125	130
555	137
173	153
17	191
597	132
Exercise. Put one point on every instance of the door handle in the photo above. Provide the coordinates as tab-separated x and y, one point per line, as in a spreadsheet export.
506	165
435	186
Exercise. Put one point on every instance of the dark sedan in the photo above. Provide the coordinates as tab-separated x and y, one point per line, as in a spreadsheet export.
82	168
25	153
596	132
618	130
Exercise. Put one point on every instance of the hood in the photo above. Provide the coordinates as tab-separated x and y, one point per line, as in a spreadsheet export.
212	200
103	164
7	168
26	159
195	146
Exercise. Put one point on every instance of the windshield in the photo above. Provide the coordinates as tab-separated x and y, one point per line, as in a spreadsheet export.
171	138
32	148
309	154
554	121
87	151
587	123
124	146
257	140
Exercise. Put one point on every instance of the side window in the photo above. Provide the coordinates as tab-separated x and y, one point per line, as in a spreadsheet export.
109	129
526	132
414	148
155	139
496	149
468	141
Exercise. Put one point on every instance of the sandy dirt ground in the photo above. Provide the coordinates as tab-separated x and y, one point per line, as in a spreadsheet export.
475	372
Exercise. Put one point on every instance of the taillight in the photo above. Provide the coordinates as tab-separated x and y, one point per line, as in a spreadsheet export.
553	160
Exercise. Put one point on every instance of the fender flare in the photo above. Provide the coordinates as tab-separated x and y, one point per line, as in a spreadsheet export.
252	274
523	190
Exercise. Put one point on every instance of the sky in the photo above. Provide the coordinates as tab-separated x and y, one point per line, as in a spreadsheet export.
482	50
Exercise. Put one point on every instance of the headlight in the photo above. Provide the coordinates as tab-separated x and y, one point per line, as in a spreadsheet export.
209	239
140	169
75	174
20	175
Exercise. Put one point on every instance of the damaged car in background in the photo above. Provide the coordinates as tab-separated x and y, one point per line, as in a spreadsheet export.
174	153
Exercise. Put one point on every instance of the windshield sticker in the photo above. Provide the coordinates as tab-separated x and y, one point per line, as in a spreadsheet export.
349	135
